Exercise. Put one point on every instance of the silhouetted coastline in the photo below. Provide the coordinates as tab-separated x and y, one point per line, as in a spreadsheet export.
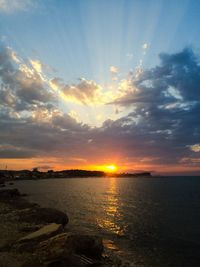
73	173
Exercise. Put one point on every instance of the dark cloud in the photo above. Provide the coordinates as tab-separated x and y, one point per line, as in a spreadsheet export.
166	108
177	78
21	85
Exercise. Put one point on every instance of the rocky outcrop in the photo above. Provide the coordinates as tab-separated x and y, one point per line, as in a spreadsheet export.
45	215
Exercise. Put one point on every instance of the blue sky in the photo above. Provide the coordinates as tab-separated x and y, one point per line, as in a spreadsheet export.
84	38
80	78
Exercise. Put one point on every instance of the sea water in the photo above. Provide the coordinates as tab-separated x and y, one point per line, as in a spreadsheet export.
145	221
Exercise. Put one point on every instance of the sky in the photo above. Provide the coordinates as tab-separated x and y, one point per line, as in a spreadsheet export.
93	83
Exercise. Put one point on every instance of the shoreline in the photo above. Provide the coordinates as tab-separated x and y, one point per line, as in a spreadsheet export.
11	175
33	236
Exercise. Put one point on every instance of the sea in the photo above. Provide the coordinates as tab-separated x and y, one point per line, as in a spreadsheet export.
144	221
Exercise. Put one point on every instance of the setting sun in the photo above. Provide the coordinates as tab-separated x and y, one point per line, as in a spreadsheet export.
105	168
111	168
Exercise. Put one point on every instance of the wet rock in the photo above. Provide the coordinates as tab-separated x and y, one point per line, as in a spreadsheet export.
9	193
45	215
43	233
68	249
89	245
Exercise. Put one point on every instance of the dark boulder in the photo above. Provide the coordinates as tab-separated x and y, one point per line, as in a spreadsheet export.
9	193
45	215
69	249
89	245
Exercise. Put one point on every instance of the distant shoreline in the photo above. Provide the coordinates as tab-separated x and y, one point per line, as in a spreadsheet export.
37	175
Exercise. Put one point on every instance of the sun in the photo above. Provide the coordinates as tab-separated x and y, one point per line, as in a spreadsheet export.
111	168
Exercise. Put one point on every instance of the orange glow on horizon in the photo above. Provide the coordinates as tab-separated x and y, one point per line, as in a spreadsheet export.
111	168
106	168
57	164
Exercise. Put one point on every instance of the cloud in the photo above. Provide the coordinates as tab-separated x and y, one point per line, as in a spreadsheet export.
145	46
11	6
165	103
114	70
37	65
21	85
176	78
195	148
160	131
85	92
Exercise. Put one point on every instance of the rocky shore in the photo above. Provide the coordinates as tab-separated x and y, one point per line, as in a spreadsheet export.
31	236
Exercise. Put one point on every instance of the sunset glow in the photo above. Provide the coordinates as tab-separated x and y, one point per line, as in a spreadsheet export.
111	168
99	124
105	168
79	91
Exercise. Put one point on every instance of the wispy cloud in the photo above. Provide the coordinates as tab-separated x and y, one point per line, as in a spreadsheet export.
12	6
113	70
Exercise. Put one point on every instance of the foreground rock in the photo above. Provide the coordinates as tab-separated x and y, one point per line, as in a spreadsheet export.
88	245
69	249
45	215
43	233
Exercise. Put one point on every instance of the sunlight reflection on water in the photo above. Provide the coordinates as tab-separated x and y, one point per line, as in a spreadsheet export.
111	209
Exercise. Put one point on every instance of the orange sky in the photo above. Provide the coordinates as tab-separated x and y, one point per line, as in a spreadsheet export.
19	164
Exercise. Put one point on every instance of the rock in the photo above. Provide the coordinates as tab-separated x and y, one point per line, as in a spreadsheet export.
72	260
52	249
24	195
43	233
9	193
2	180
11	183
45	215
89	245
63	250
29	229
